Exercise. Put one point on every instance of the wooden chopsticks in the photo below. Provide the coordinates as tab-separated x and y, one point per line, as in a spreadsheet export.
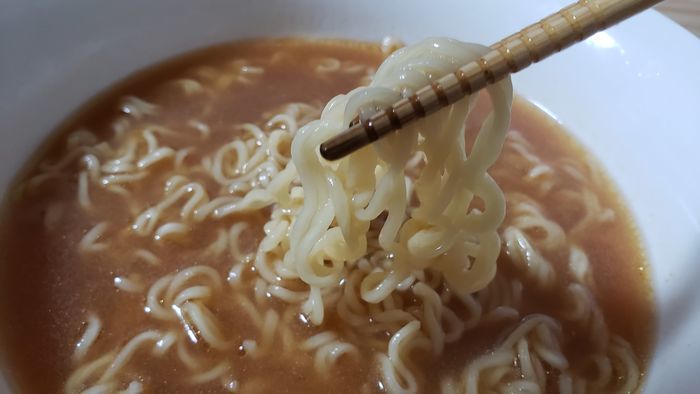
560	30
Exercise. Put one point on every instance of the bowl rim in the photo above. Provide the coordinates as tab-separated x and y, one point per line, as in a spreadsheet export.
642	126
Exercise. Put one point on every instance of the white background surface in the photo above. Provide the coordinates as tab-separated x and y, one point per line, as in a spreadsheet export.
631	95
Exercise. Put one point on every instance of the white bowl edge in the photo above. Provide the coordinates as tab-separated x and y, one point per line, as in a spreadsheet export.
627	94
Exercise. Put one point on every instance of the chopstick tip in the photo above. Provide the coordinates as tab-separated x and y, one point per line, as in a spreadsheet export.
345	143
328	153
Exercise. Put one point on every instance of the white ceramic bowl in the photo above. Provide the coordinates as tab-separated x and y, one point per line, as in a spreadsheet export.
630	95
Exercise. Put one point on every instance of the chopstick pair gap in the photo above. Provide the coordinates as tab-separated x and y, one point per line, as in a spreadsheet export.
558	31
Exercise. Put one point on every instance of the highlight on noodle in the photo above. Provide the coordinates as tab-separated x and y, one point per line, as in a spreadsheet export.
202	244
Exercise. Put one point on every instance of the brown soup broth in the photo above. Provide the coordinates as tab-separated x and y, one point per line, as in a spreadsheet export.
48	287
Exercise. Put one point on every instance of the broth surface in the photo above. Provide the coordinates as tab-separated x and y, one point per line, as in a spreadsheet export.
49	287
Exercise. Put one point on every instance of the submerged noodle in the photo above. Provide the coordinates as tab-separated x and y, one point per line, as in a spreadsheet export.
376	262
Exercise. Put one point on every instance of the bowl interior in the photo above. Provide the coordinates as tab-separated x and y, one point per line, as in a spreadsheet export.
625	93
